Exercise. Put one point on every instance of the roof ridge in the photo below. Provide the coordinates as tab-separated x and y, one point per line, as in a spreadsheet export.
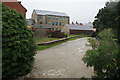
48	12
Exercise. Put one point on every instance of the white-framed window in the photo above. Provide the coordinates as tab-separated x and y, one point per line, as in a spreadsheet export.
56	18
40	17
48	17
48	23
61	18
52	18
56	29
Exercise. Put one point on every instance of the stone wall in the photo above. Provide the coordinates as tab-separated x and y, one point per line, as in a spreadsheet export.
42	33
57	34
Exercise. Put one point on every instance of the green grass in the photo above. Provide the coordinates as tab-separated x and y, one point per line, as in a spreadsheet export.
40	40
46	47
72	35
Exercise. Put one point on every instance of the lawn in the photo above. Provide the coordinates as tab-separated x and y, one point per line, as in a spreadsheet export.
48	46
40	40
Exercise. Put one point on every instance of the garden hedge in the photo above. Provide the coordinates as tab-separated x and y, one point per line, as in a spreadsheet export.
18	48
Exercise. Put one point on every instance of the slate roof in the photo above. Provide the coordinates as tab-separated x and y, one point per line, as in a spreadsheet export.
38	26
79	27
88	24
45	12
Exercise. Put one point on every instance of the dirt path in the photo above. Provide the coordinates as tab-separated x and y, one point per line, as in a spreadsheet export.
63	61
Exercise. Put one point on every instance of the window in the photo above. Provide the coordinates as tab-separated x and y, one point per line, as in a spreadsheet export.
52	23
56	29
48	23
56	18
52	18
61	18
60	23
48	17
40	17
52	28
56	23
41	22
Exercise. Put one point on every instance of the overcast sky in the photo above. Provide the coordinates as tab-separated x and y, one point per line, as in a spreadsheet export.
79	10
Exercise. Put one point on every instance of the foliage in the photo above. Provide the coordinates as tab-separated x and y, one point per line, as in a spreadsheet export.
18	44
93	43
107	17
66	35
103	57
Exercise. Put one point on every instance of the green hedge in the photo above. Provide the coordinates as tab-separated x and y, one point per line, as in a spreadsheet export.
18	46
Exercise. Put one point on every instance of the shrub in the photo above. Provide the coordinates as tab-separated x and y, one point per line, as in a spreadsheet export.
18	46
93	43
103	57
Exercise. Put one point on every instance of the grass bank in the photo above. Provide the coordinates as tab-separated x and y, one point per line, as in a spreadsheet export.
41	40
48	46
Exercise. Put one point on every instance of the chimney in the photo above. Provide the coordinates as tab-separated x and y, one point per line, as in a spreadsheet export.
19	1
72	23
76	22
81	24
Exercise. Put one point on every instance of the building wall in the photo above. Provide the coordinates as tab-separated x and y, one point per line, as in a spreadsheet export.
60	19
42	33
57	22
35	17
17	6
81	31
66	30
41	18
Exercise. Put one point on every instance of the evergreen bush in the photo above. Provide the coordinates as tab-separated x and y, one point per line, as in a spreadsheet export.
18	47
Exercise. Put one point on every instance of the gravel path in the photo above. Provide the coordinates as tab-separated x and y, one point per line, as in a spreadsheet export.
62	61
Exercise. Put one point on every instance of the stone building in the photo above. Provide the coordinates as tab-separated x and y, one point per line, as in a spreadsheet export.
55	19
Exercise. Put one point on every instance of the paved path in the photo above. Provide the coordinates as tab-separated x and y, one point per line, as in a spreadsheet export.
62	61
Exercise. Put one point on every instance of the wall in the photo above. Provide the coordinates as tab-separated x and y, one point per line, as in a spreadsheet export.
45	20
17	6
42	33
57	34
34	16
81	32
66	30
